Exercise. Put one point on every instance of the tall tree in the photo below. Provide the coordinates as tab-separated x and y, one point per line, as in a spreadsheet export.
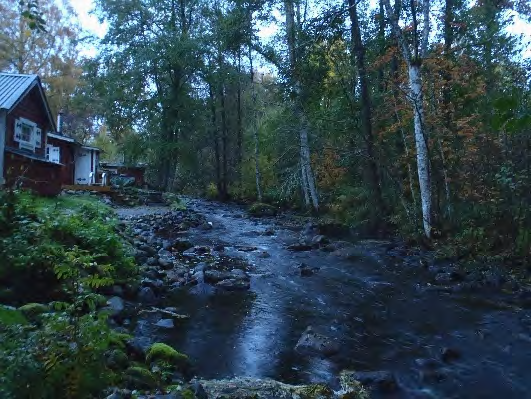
308	181
413	57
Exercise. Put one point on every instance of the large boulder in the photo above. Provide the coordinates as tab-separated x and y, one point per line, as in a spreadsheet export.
246	388
313	343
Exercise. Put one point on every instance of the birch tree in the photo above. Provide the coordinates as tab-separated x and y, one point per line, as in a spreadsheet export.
308	181
413	55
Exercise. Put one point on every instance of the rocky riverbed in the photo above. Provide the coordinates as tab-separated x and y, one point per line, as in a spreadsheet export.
283	298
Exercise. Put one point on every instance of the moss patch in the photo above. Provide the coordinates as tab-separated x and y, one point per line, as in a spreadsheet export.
165	353
33	310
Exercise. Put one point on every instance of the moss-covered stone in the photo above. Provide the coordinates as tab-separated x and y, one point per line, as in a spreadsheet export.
117	359
261	209
165	353
34	310
139	377
316	391
187	394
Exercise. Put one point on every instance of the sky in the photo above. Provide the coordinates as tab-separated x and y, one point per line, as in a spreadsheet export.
91	23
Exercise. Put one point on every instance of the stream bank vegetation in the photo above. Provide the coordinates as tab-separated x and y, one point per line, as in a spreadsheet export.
59	257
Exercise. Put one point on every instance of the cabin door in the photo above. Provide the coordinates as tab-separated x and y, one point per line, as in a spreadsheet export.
83	167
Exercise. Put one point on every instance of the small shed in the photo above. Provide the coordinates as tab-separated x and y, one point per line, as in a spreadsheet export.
119	169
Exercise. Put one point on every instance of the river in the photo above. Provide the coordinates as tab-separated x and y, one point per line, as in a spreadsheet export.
375	306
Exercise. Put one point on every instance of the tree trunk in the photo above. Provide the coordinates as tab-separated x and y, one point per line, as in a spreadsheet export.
415	96
366	105
223	111
257	174
239	145
307	173
215	136
423	160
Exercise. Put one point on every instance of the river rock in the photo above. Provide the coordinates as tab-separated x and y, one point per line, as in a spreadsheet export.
182	245
152	261
165	263
299	247
246	388
264	255
232	284
137	347
140	255
312	343
307	271
238	274
165	323
318	241
148	249
215	276
115	305
156	284
380	381
147	296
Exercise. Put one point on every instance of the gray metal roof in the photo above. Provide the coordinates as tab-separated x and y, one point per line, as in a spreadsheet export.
12	87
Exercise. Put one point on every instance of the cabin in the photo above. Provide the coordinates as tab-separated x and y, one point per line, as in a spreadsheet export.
34	153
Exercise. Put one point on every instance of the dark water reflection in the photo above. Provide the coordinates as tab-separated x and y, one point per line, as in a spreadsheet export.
371	306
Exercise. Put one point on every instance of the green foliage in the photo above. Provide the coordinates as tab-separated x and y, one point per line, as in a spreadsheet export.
65	253
61	359
11	316
43	243
142	378
211	191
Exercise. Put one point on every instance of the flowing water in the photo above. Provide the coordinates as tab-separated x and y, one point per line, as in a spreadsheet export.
373	306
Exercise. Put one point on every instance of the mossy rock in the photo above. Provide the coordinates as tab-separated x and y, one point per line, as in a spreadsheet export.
165	353
316	391
261	209
188	394
34	310
141	378
9	317
117	360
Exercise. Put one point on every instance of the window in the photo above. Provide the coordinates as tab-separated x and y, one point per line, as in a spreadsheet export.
27	134
53	154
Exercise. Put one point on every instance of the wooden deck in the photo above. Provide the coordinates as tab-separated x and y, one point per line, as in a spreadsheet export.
85	187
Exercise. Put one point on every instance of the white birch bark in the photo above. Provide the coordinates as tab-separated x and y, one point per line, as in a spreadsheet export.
308	182
416	99
304	186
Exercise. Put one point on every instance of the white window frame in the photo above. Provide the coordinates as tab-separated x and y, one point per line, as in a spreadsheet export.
49	150
35	140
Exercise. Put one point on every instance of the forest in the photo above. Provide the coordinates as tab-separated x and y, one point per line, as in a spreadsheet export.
411	117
